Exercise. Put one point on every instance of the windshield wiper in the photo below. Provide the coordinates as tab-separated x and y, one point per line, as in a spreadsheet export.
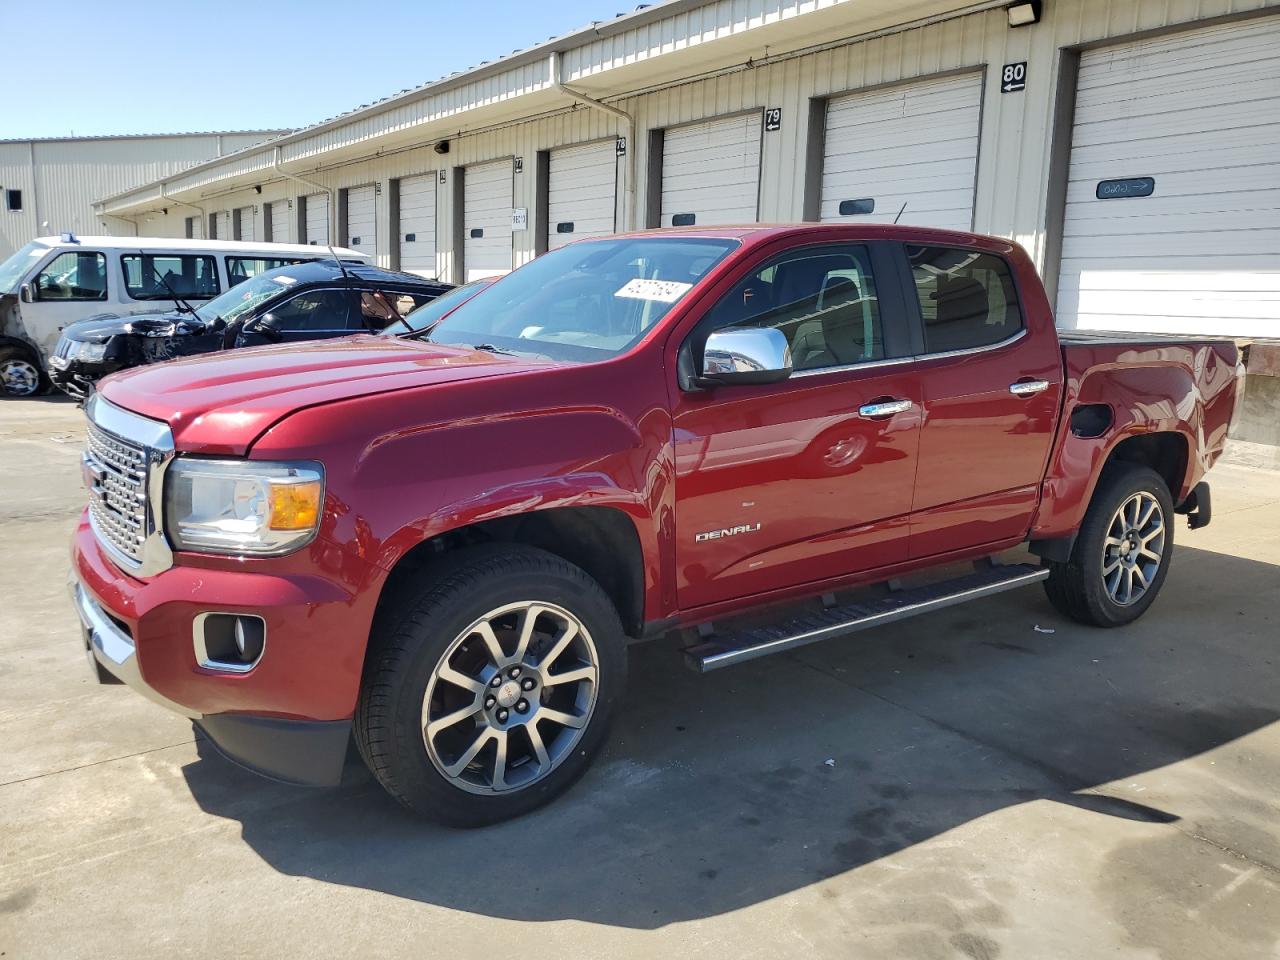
490	348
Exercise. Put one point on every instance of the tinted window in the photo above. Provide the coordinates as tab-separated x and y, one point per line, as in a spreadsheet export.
822	298
240	269
314	310
74	276
967	299
145	276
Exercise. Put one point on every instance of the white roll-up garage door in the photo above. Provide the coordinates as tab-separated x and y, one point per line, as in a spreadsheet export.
582	192
247	231
914	144
1173	194
711	172
362	220
417	229
317	219
486	226
281	214
222	225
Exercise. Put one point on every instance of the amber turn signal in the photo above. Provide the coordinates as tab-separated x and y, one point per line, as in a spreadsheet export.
295	506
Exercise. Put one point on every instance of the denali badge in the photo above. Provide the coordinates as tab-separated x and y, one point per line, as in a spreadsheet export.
726	532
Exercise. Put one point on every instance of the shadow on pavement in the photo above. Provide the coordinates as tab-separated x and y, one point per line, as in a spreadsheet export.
722	791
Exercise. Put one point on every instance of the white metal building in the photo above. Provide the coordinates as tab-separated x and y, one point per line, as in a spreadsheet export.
1132	146
47	186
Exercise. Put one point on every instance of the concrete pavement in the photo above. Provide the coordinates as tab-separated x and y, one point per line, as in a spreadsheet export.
961	785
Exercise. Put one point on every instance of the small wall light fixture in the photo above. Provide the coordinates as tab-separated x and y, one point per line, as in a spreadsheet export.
1024	14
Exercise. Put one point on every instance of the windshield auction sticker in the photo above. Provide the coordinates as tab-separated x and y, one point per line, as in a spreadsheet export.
663	291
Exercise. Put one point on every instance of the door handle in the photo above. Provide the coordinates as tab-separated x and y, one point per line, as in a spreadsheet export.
1028	388
885	408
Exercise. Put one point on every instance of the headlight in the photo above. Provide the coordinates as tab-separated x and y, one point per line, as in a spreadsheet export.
90	352
242	506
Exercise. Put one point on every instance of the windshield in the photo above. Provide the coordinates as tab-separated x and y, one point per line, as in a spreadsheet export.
19	262
585	302
243	297
418	320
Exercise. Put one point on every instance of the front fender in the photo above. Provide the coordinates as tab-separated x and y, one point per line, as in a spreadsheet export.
405	467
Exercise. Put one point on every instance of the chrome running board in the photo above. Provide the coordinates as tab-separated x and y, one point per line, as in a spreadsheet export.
716	651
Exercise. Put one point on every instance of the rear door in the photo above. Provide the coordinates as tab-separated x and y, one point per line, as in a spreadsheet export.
992	384
800	481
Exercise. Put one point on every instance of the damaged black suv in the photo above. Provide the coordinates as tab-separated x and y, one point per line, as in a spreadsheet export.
303	301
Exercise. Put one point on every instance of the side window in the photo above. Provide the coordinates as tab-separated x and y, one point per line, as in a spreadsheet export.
314	310
381	307
240	269
967	298
189	275
822	298
74	275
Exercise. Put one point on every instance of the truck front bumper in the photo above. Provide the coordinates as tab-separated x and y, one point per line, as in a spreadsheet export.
267	720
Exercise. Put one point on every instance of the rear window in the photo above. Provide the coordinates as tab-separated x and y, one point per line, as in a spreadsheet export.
240	269
967	299
151	276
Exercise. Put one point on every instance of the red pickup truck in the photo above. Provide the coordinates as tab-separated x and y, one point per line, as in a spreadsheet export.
441	545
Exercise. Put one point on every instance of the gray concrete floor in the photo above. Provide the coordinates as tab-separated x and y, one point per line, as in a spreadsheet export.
958	786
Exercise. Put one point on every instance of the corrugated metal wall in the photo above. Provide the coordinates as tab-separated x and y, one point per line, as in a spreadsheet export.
60	179
1015	143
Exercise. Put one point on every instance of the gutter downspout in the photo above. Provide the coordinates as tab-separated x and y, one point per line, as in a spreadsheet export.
164	195
327	191
630	128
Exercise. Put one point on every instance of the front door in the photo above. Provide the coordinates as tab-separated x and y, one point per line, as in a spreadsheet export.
311	315
70	287
810	478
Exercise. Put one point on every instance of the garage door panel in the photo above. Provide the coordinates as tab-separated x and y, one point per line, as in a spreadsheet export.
1120	247
1239	149
318	218
1175	196
914	144
1226	84
1199	112
362	221
712	170
1195	119
487	202
582	192
418	220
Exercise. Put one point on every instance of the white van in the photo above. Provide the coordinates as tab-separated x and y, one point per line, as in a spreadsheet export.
54	281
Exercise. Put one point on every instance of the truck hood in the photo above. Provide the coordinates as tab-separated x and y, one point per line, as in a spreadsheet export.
222	402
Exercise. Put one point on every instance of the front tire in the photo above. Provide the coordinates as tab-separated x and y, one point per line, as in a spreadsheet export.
494	688
19	376
1122	553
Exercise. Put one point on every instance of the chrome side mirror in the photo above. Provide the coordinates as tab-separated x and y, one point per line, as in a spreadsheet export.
745	355
24	293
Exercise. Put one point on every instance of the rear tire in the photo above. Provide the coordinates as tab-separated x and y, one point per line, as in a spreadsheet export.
492	689
1122	553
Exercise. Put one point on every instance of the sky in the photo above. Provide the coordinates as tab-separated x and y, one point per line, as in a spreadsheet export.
131	66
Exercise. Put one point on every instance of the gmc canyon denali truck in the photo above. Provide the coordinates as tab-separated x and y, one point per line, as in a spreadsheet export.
442	545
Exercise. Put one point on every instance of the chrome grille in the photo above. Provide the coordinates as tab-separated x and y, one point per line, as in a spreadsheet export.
63	350
118	494
124	463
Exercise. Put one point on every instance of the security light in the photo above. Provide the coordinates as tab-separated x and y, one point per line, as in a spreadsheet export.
1023	14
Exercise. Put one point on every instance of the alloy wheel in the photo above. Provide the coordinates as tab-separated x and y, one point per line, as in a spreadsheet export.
1133	548
510	698
19	378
